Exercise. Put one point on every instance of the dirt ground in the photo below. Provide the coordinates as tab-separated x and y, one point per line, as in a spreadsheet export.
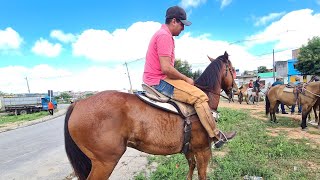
258	112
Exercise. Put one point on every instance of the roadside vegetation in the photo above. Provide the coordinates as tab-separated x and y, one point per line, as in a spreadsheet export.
255	152
5	119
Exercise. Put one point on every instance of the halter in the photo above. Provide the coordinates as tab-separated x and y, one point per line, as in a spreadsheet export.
231	72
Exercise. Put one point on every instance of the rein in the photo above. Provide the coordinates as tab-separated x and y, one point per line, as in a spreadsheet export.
209	90
310	92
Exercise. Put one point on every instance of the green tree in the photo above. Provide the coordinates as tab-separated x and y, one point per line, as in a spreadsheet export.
2	93
196	74
262	69
64	96
245	72
309	58
88	95
183	67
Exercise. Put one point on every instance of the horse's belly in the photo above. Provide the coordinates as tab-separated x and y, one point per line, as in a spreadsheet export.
156	143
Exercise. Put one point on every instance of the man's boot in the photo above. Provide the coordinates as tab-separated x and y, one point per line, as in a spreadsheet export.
223	138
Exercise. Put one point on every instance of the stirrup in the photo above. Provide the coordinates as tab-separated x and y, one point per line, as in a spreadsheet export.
221	141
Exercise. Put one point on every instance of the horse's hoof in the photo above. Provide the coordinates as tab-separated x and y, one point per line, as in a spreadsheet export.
305	129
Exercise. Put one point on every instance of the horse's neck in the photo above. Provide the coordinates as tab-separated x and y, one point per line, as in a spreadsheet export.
314	88
214	98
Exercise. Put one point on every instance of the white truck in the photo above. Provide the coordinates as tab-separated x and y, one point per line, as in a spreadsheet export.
25	105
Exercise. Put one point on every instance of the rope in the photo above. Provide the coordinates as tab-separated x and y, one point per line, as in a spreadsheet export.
311	92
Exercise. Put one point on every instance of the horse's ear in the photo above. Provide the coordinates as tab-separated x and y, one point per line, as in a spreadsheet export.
210	58
226	55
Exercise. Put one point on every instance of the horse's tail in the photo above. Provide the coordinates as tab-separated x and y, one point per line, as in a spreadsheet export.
267	105
81	164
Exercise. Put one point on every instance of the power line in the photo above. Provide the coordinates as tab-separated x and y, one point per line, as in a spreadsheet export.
136	60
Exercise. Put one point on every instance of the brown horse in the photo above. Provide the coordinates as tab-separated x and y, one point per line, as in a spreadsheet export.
99	129
316	107
307	98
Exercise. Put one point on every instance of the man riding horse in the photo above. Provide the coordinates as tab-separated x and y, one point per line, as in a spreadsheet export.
160	73
257	88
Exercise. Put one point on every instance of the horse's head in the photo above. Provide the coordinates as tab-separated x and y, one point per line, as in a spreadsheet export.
228	74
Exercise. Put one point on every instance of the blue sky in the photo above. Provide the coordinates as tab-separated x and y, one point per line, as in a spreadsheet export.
82	45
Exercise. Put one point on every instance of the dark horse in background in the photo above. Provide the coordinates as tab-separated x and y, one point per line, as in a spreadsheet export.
99	129
307	98
316	107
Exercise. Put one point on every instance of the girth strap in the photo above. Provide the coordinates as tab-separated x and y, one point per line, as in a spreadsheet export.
186	136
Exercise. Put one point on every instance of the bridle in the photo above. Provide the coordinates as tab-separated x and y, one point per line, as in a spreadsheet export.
230	69
229	91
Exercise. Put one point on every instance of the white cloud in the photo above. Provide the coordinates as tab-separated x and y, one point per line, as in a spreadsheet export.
225	3
261	21
120	45
9	39
192	3
130	44
44	77
291	31
45	48
61	36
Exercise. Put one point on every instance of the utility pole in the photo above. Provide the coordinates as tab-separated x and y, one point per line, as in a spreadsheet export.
28	84
131	91
129	77
274	78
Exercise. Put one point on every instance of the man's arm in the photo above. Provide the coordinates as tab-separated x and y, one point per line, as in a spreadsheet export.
171	72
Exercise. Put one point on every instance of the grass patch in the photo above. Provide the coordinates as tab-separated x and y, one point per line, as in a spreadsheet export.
20	118
284	122
253	152
317	132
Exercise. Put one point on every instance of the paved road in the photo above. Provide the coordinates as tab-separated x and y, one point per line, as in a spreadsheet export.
34	152
37	152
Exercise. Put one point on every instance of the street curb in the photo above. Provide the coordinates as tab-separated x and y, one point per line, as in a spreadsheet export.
59	113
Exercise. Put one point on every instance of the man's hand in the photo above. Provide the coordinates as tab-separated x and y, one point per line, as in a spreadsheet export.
189	80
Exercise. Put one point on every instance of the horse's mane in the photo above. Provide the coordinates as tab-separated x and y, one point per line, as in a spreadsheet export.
211	77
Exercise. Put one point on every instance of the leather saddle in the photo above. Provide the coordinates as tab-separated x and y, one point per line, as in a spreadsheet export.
293	88
154	98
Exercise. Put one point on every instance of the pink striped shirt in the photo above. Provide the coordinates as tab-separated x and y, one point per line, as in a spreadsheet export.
161	44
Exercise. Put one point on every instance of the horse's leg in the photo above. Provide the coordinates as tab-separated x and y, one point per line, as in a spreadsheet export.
305	111
192	164
272	111
256	98
247	98
276	107
101	170
315	113
203	158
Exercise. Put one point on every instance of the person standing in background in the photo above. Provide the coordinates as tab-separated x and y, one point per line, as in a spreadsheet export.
294	106
250	84
50	107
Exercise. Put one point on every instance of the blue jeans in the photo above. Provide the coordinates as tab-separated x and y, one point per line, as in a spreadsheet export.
165	88
282	108
299	108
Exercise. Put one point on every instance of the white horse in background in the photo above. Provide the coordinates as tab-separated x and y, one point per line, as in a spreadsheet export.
252	97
